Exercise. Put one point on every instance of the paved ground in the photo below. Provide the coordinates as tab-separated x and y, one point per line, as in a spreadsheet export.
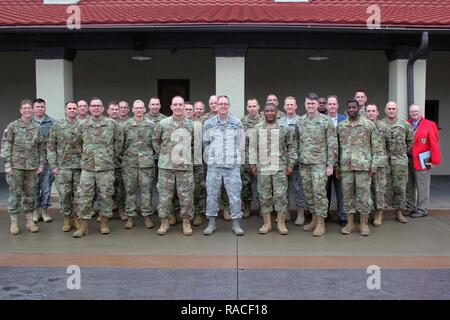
414	261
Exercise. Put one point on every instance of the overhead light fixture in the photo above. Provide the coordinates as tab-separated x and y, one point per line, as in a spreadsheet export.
317	58
141	57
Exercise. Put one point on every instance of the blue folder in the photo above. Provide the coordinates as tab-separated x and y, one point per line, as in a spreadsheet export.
424	157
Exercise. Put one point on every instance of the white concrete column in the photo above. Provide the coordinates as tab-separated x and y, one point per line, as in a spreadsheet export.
420	82
398	85
230	77
54	80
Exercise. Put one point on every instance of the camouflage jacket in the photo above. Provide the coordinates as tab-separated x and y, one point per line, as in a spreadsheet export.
102	143
317	140
249	121
207	116
400	138
157	118
359	147
173	143
63	149
292	124
23	146
224	142
275	148
138	146
382	138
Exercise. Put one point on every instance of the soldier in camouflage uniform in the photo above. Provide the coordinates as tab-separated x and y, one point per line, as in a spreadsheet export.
23	153
83	110
295	181
119	187
272	98
224	144
318	153
400	139
224	202
138	164
172	141
276	151
199	110
102	142
249	122
378	186
64	159
124	109
359	150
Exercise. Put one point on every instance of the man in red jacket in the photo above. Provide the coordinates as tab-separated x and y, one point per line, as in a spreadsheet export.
425	155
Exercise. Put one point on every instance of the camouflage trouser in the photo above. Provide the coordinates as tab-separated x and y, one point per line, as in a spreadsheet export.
246	183
272	192
22	186
396	180
67	182
199	190
44	188
103	183
295	183
180	182
119	188
314	185
135	180
231	178
223	200
356	190
378	188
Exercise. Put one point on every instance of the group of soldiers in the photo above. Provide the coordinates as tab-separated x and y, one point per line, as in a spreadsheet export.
203	161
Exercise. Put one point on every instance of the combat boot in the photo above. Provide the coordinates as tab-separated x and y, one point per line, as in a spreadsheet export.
236	227
364	225
129	224
226	213
211	226
148	223
76	222
122	214
45	215
399	216
267	226
36	215
82	228
300	217
378	218
164	227
247	209
312	225
67	224
320	229
104	229
281	225
350	224
30	223
14	229
198	219
172	219
187	230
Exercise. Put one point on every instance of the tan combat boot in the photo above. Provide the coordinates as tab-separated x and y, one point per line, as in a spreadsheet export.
247	209
163	228
45	215
67	224
172	219
320	229
30	223
378	218
267	226
148	223
281	225
312	225
198	219
350	224
187	230
104	229
364	225
226	213
300	217
129	224
36	215
399	216
82	228
76	222
14	229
